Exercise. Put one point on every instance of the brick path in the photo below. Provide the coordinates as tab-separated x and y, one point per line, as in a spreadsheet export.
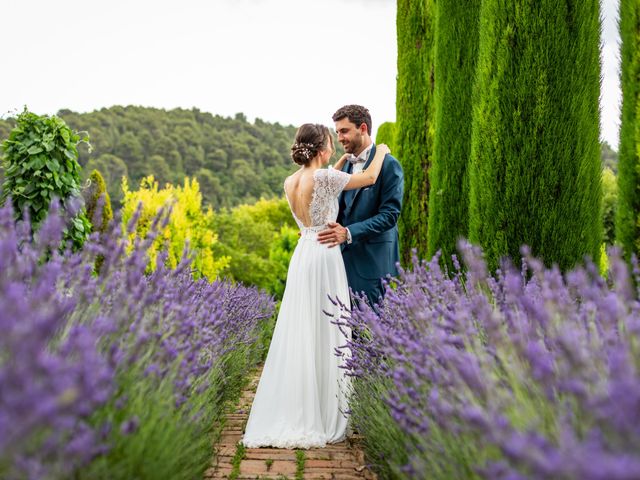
340	461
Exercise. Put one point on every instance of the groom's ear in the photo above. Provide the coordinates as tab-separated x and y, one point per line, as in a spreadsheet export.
363	128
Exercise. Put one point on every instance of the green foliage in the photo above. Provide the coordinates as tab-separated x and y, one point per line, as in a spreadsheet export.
628	215
455	64
535	157
609	205
113	170
40	164
282	247
96	189
238	456
383	438
167	443
259	240
300	463
414	125
249	160
609	157
188	225
387	135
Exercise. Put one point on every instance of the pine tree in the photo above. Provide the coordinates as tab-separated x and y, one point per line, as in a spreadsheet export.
628	215
535	155
414	129
456	50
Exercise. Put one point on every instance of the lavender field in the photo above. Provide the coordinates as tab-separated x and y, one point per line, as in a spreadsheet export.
109	370
529	374
112	372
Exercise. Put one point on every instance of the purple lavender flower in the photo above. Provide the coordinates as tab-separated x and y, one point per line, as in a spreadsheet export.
528	373
72	338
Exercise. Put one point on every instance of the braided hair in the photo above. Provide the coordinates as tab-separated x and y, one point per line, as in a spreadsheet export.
311	138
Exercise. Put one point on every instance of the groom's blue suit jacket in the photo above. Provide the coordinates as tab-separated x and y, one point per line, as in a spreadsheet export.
371	214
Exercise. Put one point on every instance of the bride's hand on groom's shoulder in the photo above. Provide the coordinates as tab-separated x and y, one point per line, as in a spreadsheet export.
340	163
383	147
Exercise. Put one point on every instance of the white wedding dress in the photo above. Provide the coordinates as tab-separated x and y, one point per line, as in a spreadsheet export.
301	400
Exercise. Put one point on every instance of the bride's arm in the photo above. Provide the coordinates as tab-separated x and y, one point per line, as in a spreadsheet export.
370	175
340	163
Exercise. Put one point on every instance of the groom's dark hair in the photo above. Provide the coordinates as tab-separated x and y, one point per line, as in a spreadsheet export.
356	114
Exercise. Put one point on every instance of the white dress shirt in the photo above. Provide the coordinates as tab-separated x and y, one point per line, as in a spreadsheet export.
357	168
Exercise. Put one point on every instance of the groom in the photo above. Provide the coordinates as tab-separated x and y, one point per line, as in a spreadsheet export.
366	226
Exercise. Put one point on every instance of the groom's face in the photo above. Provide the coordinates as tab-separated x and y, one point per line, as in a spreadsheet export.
350	136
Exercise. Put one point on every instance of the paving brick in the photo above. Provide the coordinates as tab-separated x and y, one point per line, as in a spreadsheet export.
340	461
259	467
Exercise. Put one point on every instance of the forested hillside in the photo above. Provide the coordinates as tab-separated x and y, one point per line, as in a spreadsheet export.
235	161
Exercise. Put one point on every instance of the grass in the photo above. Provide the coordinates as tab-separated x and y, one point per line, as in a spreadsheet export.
300	462
240	454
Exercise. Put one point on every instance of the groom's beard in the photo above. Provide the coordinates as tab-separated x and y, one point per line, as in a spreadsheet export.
354	147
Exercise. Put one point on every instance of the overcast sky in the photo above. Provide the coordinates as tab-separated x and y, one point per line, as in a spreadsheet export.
290	61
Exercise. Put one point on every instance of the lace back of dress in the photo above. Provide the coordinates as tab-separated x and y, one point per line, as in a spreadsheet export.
323	208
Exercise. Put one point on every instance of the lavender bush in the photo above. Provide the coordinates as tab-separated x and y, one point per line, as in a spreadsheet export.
528	374
115	374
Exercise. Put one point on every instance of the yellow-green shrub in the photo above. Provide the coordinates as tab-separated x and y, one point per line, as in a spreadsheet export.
188	223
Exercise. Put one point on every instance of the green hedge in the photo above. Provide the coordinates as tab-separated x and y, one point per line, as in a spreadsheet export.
414	113
456	51
535	157
387	134
628	215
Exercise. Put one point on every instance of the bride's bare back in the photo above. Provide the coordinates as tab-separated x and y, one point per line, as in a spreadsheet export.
299	189
313	192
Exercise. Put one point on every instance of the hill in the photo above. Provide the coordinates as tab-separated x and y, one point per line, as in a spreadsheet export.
234	160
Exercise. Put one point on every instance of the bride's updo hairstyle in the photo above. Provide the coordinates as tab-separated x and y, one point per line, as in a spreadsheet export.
311	138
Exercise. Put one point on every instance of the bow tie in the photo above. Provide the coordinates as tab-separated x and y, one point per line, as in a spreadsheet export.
353	159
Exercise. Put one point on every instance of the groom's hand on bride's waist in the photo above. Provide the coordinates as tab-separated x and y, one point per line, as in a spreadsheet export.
334	235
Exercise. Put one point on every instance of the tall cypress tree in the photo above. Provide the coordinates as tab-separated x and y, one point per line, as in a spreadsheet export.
387	134
414	111
535	155
456	52
628	215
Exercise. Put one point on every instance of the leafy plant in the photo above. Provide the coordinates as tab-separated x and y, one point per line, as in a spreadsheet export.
41	164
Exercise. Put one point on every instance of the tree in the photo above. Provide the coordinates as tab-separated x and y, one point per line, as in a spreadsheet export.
115	170
96	190
188	224
414	119
259	240
456	51
130	149
188	140
387	135
535	155
609	157
161	171
609	205
212	188
628	215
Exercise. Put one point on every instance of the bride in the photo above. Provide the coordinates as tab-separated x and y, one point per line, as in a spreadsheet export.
301	398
